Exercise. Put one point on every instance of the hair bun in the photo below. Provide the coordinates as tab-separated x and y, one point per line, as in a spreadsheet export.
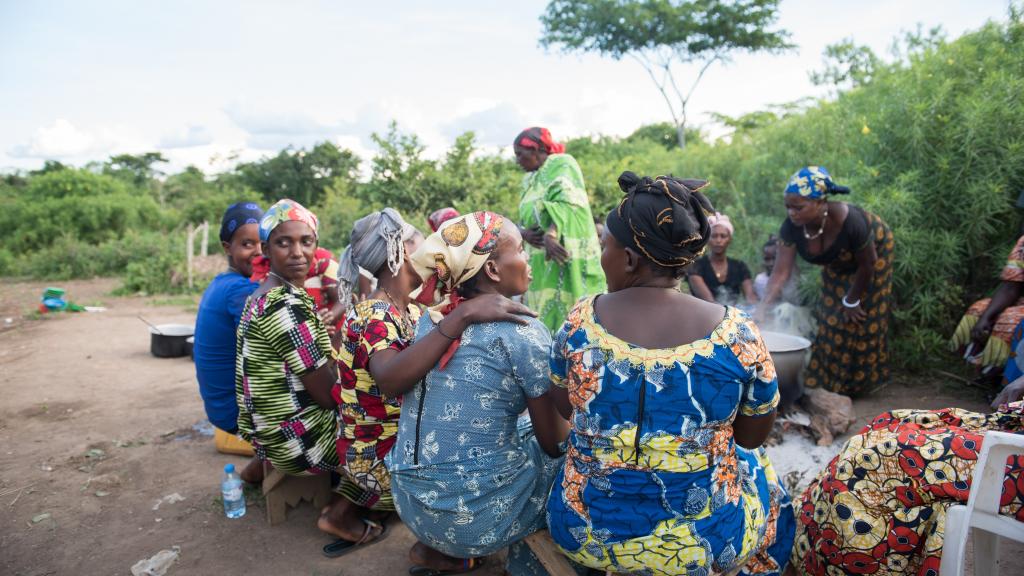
628	181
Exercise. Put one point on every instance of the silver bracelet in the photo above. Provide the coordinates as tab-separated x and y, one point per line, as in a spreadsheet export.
850	304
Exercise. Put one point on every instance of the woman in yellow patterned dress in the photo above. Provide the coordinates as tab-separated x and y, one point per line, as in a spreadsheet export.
669	399
987	328
855	250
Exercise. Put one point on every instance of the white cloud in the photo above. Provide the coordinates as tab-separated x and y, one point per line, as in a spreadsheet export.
187	138
60	139
495	126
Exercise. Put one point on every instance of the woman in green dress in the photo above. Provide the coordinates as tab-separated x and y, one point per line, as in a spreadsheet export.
555	220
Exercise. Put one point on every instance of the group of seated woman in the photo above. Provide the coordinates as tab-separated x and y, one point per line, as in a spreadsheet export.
633	435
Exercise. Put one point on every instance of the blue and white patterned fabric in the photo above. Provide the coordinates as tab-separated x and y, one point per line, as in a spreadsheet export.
468	478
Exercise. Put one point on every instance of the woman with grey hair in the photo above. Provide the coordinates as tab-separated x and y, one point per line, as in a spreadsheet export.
375	331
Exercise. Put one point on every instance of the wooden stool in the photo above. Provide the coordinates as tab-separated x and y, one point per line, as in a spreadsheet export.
282	491
550	556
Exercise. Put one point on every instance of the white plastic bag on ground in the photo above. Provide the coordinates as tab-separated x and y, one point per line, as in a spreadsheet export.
157	564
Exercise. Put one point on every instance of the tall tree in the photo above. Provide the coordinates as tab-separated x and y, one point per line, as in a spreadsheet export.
137	169
663	35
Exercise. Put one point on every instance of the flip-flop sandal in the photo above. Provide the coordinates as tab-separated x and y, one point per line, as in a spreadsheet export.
468	565
340	547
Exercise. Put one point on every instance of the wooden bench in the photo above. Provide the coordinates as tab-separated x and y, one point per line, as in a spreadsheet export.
548	553
281	491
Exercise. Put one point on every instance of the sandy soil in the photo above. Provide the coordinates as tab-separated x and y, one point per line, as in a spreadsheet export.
94	432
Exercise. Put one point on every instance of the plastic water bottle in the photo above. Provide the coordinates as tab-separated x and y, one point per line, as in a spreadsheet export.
231	492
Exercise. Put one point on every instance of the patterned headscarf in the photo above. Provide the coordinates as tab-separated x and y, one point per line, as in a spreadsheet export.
719	219
814	182
238	215
376	240
285	211
537	138
438	217
450	257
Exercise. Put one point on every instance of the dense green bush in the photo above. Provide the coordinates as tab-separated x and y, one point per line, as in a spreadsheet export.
933	144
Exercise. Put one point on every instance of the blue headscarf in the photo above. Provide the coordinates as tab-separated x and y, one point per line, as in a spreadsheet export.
236	215
814	182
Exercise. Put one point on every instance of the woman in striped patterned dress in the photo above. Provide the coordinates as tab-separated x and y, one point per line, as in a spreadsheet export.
285	368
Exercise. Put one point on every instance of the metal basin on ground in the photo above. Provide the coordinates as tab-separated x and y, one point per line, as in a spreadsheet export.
170	340
790	355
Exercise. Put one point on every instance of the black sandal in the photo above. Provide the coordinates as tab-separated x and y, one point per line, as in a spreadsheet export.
468	565
340	547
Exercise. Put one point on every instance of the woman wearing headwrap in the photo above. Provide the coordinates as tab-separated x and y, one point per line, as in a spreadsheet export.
716	277
220	311
555	219
285	371
379	242
468	476
855	249
438	217
376	352
321	284
670	399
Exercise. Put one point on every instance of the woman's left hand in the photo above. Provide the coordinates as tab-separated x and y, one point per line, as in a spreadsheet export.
554	250
856	314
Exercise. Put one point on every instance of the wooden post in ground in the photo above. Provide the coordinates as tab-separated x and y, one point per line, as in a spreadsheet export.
188	255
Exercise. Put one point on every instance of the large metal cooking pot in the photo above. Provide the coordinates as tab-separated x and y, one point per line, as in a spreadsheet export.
790	355
169	340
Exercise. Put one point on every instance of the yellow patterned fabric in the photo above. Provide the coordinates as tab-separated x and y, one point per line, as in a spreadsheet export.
997	347
369	420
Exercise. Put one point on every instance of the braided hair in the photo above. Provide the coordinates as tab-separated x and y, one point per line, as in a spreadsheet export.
665	219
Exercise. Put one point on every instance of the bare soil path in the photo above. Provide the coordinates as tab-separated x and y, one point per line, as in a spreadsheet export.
94	432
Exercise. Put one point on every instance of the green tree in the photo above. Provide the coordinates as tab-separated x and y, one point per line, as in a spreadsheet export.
298	174
137	169
846	65
400	173
663	35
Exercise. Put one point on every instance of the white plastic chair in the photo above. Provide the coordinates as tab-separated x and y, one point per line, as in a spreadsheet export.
981	514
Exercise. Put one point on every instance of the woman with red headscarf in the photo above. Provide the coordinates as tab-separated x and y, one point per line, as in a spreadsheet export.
555	220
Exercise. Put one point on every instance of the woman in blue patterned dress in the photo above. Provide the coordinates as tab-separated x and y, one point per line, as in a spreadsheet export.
468	477
670	399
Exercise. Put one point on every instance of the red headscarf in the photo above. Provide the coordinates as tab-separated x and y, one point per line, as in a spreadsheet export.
537	138
438	217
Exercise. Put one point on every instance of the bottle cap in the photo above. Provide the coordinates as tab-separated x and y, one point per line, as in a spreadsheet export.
229	468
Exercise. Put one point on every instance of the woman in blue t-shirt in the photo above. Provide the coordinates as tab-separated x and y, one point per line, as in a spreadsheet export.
220	311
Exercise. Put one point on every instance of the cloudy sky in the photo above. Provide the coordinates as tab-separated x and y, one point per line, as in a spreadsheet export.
207	81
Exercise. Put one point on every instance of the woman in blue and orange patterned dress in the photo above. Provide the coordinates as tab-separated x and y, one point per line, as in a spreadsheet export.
669	399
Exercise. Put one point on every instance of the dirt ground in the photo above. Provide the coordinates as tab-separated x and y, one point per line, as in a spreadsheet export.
95	432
